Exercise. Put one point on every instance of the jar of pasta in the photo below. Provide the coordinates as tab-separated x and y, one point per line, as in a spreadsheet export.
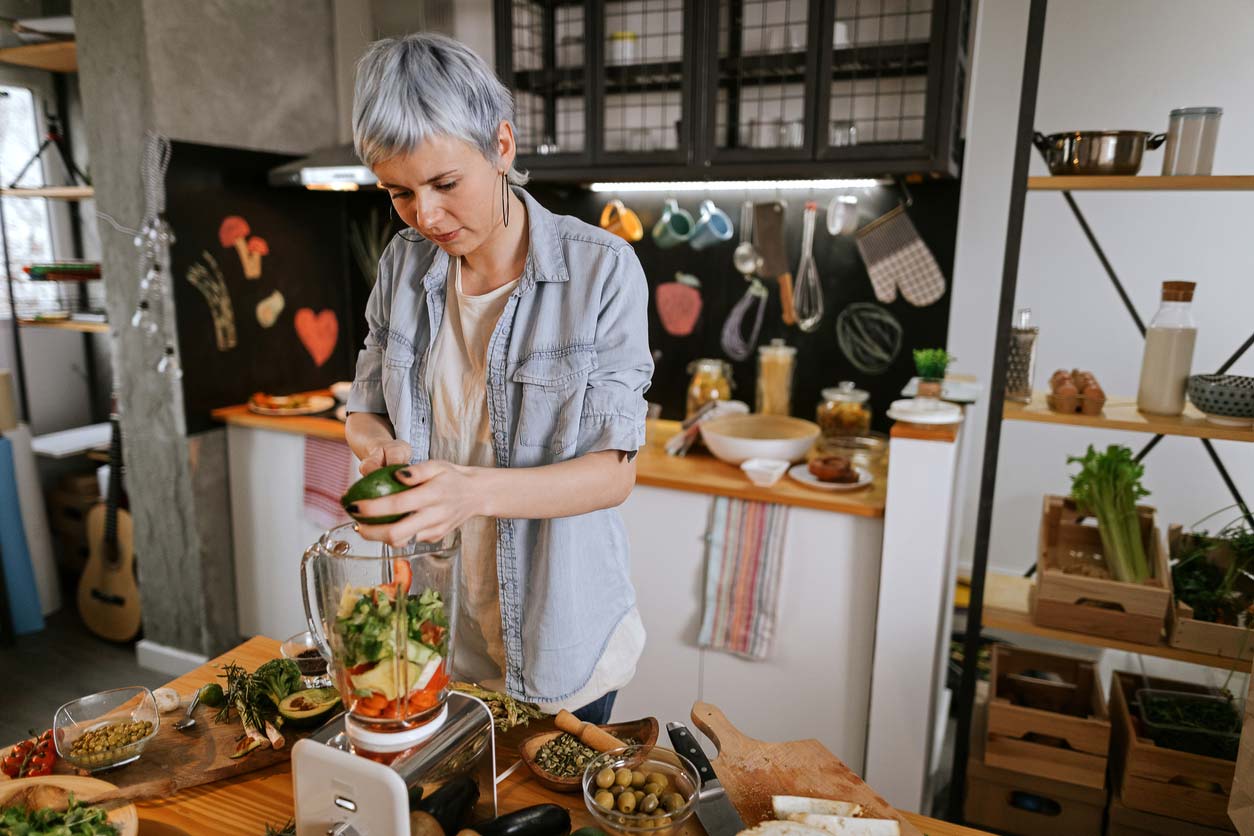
775	368
844	411
711	381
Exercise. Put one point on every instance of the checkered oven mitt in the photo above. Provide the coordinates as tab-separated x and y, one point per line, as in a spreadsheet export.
897	259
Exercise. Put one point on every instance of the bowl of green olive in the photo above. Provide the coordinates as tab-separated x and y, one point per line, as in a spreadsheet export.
106	729
640	789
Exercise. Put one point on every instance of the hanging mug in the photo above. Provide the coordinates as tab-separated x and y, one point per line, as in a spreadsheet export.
621	221
842	215
713	227
674	227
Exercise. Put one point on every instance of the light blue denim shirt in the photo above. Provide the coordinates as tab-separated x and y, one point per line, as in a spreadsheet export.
568	366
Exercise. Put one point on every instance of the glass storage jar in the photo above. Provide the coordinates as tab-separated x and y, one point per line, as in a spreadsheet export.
711	381
775	369
844	411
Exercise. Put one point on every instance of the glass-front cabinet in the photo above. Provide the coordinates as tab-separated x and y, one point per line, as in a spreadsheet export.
705	88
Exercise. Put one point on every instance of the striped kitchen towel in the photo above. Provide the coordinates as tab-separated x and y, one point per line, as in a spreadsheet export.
744	550
328	473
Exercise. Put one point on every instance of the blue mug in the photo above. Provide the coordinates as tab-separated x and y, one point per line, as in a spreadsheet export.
674	227
713	227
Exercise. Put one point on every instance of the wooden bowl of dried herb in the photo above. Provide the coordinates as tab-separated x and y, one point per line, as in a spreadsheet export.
557	758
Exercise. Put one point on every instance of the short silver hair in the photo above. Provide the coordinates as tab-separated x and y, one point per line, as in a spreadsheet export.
422	85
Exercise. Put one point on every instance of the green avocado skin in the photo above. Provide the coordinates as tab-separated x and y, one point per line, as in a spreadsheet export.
381	482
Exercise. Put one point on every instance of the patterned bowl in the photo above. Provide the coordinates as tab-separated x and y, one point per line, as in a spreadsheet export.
1225	398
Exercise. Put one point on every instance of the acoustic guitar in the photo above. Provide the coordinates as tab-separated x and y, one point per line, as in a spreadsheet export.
108	595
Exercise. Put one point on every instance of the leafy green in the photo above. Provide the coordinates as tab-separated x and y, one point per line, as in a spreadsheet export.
278	678
1215	594
288	829
1108	486
243	696
368	632
77	820
931	363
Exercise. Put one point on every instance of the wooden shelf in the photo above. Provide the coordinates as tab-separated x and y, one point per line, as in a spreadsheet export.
56	56
1207	183
1122	414
1006	608
66	325
58	192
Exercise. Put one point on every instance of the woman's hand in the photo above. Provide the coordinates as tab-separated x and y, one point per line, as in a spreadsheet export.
444	497
388	452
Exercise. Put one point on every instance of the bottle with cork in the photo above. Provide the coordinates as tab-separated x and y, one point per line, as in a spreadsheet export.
1168	357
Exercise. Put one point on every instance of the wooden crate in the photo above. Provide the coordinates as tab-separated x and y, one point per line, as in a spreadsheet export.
1096	606
1184	631
1042	728
1122	820
1165	782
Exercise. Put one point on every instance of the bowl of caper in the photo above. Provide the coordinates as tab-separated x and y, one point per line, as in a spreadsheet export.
106	729
640	789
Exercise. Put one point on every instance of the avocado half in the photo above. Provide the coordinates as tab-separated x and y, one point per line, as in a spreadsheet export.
378	483
309	707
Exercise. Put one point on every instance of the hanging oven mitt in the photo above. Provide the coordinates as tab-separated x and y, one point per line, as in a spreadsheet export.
897	259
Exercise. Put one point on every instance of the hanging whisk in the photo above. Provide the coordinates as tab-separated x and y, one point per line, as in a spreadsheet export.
808	297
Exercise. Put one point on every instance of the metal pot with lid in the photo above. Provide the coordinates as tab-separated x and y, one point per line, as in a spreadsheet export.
1096	152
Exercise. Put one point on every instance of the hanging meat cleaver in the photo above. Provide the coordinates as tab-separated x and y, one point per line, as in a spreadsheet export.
714	808
768	237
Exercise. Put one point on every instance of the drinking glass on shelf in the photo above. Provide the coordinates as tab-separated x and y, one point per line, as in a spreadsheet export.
842	132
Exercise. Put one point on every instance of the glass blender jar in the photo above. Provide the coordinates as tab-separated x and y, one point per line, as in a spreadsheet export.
384	618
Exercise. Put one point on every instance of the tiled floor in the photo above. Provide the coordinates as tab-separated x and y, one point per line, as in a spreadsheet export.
44	670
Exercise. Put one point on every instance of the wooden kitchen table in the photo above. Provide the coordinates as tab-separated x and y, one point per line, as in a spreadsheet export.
245	805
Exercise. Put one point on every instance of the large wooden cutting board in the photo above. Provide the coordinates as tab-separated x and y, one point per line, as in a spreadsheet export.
754	770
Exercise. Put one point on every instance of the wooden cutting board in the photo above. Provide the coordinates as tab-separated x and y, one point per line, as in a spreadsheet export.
753	770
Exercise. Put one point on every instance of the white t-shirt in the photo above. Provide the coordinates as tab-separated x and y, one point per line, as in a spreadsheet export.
456	377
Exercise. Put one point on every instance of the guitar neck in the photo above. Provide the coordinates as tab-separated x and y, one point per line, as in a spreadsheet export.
114	495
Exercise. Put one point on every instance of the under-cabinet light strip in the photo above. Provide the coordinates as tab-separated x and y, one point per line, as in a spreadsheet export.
737	185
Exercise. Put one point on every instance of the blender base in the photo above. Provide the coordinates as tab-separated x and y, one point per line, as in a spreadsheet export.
363	737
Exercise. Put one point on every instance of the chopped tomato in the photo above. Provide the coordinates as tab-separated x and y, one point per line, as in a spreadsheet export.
402	575
431	634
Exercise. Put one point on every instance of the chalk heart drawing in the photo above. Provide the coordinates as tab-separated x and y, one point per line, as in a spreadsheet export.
318	333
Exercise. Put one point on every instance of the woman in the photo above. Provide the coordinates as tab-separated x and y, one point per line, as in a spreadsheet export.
506	362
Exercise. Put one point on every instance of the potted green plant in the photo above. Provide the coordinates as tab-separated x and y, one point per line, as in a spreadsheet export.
1213	577
930	364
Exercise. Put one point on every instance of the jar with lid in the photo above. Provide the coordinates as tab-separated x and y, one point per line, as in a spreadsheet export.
844	411
711	381
775	369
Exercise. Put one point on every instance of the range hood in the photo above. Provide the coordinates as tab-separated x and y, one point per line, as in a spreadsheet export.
334	169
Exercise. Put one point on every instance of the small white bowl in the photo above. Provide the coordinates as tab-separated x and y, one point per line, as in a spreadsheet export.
341	389
764	472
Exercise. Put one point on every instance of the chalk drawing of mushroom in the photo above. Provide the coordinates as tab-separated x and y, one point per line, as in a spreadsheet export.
207	278
234	232
257	247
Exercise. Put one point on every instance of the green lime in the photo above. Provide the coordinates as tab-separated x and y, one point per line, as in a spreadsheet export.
212	696
381	482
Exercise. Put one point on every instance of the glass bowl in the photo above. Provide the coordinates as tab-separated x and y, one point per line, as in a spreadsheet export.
313	666
85	714
681	776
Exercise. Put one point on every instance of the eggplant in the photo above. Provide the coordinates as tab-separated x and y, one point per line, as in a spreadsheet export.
451	803
540	820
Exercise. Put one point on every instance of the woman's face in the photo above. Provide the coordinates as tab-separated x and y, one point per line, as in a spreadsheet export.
448	191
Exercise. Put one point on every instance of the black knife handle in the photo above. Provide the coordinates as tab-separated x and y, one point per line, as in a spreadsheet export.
687	745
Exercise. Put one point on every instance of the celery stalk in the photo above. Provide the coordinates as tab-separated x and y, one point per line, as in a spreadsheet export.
1108	486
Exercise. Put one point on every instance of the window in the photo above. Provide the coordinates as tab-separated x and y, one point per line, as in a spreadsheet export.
27	225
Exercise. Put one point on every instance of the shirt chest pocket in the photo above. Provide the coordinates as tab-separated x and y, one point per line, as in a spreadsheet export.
398	363
550	388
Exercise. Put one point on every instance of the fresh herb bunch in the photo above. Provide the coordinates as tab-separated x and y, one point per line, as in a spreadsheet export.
76	820
507	712
288	829
1215	594
931	363
1108	486
255	698
243	696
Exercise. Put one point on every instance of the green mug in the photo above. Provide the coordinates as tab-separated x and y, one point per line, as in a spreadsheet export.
674	227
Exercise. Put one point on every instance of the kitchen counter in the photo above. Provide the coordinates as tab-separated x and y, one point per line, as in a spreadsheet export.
698	472
248	803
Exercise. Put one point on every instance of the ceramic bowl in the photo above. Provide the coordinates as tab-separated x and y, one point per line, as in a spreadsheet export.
644	731
1224	398
764	472
737	438
119	705
341	389
681	777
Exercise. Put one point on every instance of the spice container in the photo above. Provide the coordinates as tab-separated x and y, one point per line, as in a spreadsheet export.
1021	359
711	381
1191	138
622	47
844	411
775	367
1168	357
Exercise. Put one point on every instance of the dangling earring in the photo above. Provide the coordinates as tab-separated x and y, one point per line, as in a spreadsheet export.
505	197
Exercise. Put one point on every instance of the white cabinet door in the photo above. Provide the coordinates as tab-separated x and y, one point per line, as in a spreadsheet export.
666	529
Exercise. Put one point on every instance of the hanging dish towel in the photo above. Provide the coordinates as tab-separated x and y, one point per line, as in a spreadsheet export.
897	259
328	473
745	545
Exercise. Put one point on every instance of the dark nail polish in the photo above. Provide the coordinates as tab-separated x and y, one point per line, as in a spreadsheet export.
407	473
352	508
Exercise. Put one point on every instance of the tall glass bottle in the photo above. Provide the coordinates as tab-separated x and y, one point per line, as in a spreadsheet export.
1168	357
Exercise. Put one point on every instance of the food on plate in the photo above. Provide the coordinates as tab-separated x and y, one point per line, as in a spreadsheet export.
377	483
167	699
30	758
379	679
104	741
310	706
38	810
788	805
833	469
264	401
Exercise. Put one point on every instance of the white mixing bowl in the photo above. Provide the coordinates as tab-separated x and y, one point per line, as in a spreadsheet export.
738	438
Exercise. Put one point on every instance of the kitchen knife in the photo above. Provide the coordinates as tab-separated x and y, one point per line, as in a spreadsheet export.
768	235
714	808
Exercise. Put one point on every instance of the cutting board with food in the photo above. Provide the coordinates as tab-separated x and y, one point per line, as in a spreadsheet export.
52	800
755	772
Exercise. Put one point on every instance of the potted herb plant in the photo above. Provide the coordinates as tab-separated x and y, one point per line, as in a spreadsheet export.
930	364
1213	577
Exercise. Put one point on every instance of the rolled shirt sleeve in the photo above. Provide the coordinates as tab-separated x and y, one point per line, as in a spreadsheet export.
614	408
367	392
